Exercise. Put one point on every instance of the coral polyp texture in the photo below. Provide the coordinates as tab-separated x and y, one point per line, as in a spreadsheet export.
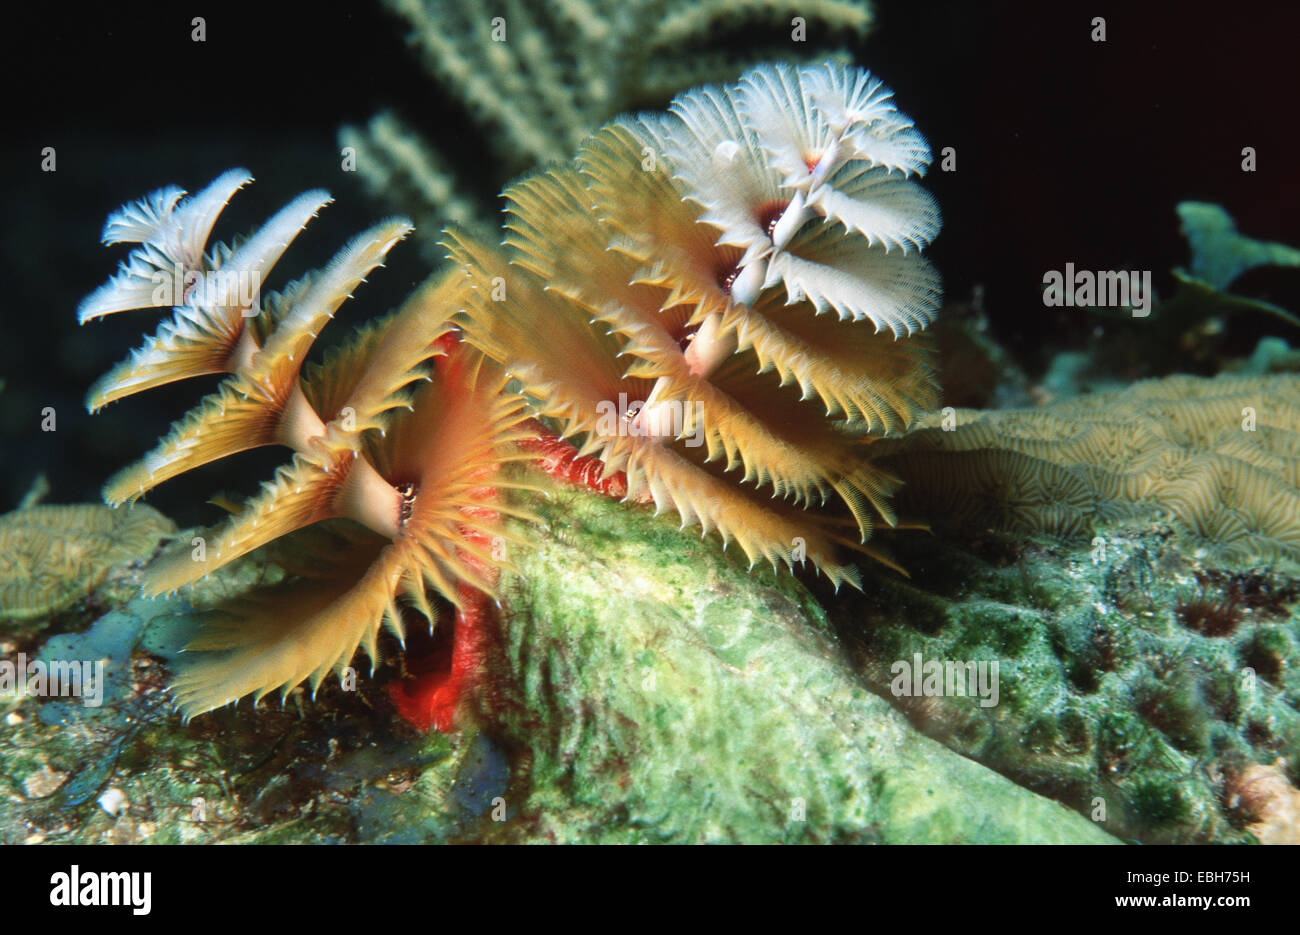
50	555
725	302
1218	459
395	439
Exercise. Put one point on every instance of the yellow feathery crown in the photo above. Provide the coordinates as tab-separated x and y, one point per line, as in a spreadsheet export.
725	302
401	464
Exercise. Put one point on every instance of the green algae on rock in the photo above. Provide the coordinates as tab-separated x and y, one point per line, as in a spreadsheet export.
666	694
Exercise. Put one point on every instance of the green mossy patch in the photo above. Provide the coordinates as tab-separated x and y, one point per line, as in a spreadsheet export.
727	712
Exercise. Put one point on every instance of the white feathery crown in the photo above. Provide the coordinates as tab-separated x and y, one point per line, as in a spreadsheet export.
809	171
172	235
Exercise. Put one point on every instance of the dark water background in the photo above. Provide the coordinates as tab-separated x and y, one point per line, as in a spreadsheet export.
1068	151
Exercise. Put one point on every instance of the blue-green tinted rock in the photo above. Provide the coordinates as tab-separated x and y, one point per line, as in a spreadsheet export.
101	654
168	634
1136	677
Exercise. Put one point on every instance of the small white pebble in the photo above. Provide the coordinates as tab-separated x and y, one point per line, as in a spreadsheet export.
13	719
113	801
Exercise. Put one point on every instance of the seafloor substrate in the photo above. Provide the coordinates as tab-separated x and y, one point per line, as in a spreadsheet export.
647	686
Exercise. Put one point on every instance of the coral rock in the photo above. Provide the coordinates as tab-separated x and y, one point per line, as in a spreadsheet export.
1218	459
53	554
